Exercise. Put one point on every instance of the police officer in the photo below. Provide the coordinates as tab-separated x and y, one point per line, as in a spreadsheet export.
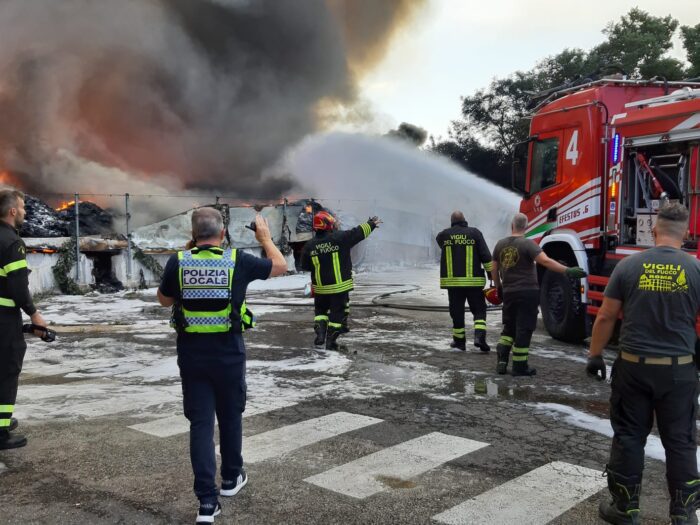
327	257
206	287
654	376
14	298
514	271
464	253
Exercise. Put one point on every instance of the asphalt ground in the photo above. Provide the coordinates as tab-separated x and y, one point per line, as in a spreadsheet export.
85	465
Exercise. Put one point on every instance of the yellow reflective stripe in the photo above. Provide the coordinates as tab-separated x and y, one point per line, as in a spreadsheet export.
2	273
335	325
459	330
463	281
321	318
328	289
505	341
336	268
366	229
480	323
448	261
5	423
488	266
469	256
7	302
13	266
317	270
221	313
7	409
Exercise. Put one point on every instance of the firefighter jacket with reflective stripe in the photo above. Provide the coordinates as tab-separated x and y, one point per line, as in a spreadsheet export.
464	257
205	278
327	257
14	275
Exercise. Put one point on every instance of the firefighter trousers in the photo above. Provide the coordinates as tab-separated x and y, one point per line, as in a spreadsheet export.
640	392
519	321
472	295
12	350
332	308
213	389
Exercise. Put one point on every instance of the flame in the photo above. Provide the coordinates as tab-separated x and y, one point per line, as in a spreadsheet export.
7	179
65	205
42	250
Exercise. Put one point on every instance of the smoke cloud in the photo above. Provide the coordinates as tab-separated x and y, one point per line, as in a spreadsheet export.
177	94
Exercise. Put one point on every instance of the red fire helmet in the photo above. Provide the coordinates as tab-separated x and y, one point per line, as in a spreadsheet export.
493	296
324	221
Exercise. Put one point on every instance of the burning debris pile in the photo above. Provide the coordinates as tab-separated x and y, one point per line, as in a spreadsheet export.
44	221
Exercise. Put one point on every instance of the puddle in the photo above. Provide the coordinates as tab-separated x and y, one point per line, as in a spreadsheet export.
395	483
411	375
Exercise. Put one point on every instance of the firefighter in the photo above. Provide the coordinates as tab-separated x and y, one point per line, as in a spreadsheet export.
515	276
464	253
654	375
206	287
14	298
327	257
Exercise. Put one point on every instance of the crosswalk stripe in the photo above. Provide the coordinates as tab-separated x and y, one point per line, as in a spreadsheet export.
178	424
534	498
286	439
363	477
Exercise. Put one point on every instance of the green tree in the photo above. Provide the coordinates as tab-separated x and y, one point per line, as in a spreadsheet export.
691	43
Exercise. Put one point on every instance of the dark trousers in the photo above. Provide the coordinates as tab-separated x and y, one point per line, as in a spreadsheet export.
214	389
640	392
332	307
458	297
519	321
12	349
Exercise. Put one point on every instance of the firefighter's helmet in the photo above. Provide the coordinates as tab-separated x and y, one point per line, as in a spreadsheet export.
324	221
493	296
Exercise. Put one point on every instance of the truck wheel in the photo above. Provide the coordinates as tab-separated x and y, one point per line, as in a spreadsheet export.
562	311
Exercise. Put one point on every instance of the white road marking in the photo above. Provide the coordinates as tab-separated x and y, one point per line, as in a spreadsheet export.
363	477
534	498
292	437
178	424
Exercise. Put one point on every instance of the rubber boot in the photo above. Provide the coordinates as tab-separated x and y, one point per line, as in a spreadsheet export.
503	354
480	341
332	337
13	424
344	322
8	441
520	366
459	344
684	501
623	509
320	328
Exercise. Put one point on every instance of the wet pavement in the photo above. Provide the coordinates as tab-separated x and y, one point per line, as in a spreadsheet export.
395	428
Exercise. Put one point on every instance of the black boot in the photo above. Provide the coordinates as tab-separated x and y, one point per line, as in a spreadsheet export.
503	354
13	424
480	341
344	322
684	500
520	366
459	344
624	507
332	337
8	441
320	328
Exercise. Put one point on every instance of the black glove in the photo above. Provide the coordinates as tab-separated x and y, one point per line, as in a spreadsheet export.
374	221
500	292
48	337
597	364
575	272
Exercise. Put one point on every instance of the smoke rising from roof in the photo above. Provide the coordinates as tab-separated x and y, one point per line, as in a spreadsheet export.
177	94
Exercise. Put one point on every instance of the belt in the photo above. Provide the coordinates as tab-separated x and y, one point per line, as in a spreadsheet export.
632	358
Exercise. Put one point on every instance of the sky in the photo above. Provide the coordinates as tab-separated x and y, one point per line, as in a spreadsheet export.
454	47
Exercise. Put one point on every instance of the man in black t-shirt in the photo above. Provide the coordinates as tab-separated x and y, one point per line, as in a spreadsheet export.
515	274
658	293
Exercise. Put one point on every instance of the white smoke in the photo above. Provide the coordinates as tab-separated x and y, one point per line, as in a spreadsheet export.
413	191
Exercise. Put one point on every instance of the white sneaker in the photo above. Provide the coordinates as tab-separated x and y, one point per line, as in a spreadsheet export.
231	488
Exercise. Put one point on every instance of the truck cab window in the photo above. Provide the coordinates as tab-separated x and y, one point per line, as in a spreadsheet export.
545	155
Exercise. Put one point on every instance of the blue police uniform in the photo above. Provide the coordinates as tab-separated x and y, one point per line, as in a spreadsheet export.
209	286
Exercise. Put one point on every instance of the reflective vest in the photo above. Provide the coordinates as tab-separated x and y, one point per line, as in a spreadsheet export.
205	278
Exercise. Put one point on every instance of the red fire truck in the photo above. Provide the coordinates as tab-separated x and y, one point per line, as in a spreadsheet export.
601	158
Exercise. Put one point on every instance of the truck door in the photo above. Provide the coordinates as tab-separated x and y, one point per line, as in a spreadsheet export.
544	174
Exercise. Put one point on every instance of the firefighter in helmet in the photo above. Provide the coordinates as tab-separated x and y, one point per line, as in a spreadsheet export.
327	257
463	260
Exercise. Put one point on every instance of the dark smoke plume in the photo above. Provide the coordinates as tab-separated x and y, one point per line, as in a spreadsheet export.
166	95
